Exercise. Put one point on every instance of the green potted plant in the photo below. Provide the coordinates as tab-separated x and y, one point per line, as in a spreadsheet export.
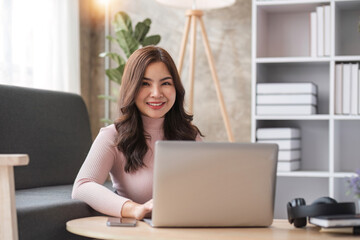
129	40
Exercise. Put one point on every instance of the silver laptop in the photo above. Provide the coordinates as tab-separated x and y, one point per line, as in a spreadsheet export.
208	184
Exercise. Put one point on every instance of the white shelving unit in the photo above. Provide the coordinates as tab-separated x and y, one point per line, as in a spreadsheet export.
281	53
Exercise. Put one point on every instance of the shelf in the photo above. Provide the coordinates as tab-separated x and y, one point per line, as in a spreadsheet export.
344	174
294	117
347	36
304	174
314	141
347	4
346	145
347	58
346	117
288	5
277	37
276	34
292	59
308	117
330	152
295	72
315	174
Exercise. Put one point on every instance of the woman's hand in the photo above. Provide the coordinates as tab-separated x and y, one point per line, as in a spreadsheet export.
132	209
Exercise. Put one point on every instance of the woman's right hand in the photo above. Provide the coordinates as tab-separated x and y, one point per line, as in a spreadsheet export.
132	209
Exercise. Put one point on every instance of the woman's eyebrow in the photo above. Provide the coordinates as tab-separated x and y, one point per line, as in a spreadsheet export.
166	78
163	79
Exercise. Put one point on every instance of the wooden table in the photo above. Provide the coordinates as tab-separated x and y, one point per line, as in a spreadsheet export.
95	227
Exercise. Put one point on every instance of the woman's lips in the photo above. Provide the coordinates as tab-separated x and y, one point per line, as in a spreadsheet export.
155	105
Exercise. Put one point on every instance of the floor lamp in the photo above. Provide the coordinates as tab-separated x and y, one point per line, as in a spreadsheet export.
193	16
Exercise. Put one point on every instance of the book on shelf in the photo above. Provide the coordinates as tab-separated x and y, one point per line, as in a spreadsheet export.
327	29
277	133
348	220
320	30
289	155
313	34
338	88
288	166
342	230
267	99
284	144
285	109
346	89
354	89
286	88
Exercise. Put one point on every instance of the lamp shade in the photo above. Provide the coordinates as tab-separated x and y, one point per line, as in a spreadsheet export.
197	4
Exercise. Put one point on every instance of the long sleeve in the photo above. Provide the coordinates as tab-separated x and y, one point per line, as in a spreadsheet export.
88	186
103	159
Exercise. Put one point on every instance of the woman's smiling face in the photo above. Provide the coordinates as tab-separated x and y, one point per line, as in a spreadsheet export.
157	92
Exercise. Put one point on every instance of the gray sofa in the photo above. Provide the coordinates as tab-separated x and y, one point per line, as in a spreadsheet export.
53	129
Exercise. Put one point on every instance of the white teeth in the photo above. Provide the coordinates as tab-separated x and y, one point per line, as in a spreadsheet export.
155	104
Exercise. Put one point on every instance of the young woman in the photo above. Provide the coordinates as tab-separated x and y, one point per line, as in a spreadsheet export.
151	108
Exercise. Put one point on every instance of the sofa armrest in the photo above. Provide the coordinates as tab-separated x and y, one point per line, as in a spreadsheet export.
8	220
14	159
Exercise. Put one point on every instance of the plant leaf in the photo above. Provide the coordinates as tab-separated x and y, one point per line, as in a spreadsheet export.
122	21
141	29
127	42
103	54
106	120
147	22
107	97
151	40
115	91
115	74
109	37
114	56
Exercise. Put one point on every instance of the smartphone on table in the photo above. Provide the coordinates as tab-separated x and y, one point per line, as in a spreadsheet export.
121	222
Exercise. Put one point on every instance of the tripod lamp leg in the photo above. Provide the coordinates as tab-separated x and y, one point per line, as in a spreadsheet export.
183	44
216	81
192	63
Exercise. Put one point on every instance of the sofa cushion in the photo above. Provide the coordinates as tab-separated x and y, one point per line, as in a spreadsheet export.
52	127
43	212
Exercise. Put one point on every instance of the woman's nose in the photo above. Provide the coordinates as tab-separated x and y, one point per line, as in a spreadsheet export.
156	91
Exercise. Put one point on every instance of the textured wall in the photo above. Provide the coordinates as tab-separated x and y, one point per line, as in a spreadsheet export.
229	32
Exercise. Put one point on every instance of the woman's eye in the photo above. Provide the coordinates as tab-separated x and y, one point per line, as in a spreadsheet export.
145	84
166	83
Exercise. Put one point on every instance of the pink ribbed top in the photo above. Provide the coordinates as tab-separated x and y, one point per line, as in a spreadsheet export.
104	158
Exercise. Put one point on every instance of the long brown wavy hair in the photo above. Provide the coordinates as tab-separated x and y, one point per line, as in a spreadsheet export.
131	139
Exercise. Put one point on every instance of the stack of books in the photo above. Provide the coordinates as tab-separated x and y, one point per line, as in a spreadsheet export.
320	31
340	224
345	220
286	98
347	88
288	140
